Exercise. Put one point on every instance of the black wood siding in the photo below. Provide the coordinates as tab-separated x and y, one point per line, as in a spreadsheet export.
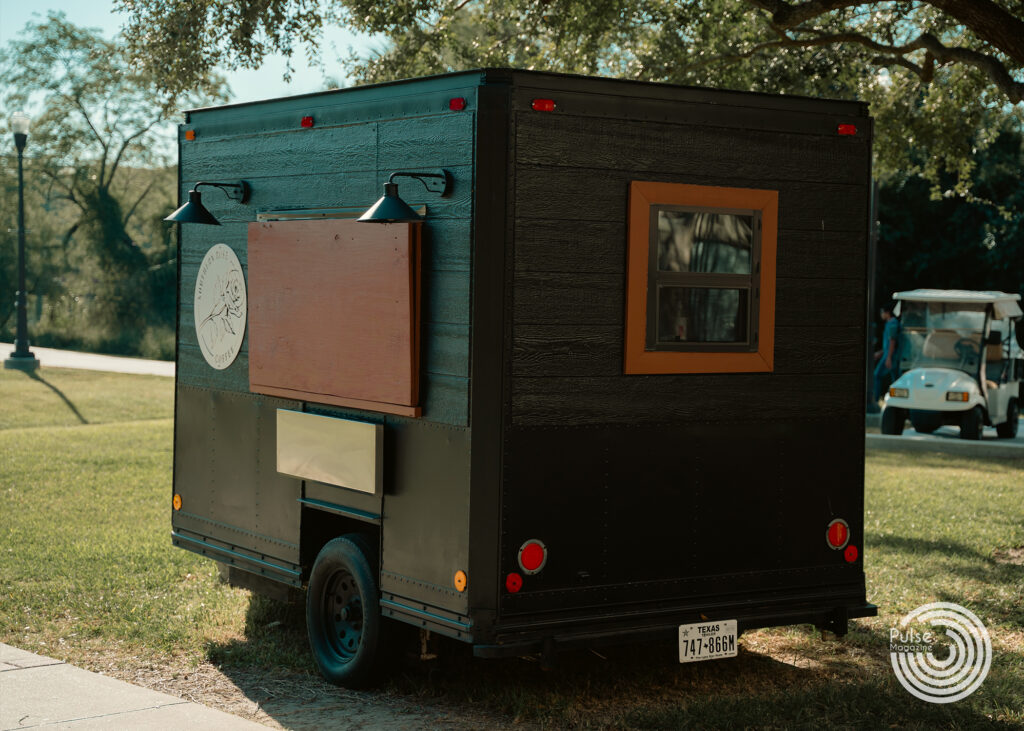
571	182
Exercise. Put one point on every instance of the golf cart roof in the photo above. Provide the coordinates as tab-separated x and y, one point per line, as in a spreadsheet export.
1005	305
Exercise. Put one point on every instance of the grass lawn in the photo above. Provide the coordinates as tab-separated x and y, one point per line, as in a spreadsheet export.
88	575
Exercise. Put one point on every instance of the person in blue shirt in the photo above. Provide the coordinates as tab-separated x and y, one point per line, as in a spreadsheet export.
887	368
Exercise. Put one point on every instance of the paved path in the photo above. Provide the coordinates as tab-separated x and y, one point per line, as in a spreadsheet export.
39	692
52	358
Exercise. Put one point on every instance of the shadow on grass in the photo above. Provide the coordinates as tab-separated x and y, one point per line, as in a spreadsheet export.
34	375
807	684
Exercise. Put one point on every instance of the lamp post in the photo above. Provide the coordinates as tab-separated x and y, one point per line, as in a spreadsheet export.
21	359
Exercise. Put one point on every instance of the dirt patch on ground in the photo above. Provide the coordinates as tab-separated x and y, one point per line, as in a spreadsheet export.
1014	556
298	701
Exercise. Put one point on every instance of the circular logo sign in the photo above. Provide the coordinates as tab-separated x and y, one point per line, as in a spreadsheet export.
968	654
220	306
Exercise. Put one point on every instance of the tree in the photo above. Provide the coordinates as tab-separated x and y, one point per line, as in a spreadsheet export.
942	76
955	244
100	121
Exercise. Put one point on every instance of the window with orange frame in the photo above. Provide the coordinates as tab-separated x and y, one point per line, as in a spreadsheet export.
700	285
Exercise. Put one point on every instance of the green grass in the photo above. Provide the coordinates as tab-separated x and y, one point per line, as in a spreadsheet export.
88	574
60	397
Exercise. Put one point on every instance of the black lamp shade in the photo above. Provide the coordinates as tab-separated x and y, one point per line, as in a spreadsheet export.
193	212
390	209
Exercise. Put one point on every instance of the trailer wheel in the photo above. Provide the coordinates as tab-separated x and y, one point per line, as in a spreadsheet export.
1008	429
971	423
893	420
343	613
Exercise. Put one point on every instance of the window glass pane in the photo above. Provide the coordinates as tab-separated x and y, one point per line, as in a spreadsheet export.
695	241
702	315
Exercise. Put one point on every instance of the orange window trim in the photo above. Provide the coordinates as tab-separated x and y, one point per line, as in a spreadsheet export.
643	195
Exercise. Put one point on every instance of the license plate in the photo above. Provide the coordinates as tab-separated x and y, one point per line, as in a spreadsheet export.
707	640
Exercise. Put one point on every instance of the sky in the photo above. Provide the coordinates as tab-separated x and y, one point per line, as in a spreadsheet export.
246	85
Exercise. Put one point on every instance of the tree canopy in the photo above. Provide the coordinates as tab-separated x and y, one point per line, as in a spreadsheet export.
100	137
944	77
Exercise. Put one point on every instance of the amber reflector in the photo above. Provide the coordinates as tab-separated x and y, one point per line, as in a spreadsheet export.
190	134
176	502
460	580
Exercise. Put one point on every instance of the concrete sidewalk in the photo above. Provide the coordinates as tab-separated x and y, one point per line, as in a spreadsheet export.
52	358
39	692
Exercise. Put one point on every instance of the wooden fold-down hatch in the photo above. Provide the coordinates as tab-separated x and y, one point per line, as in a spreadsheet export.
334	313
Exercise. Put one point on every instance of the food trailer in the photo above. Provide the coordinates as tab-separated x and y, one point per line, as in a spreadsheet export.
600	378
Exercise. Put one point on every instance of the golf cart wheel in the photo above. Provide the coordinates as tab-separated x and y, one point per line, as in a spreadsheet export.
971	423
893	420
343	613
1008	429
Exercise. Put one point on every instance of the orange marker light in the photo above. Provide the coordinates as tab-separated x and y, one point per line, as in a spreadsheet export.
176	502
460	580
190	134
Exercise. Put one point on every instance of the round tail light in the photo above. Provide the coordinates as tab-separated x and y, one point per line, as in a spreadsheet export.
533	555
838	534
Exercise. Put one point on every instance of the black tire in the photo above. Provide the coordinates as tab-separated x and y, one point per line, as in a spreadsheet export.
343	613
925	421
1008	429
971	423
893	420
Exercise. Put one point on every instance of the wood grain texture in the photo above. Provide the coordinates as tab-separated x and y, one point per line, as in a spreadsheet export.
596	350
599	247
288	152
334	311
689	149
638	400
577	194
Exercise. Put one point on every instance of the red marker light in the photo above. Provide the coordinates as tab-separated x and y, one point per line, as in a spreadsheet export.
513	582
532	556
307	122
457	104
838	534
850	554
847	130
543	105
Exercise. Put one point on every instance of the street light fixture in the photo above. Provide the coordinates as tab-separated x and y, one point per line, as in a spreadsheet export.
21	359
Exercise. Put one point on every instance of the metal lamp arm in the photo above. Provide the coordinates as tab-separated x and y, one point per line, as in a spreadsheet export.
235	191
443	186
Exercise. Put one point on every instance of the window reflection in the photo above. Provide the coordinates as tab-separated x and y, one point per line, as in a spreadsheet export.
702	315
699	241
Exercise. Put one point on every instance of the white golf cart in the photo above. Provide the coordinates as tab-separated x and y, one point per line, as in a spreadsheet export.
961	362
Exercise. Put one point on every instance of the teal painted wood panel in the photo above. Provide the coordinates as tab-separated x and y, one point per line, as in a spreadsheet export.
444	141
445	349
297	151
343	166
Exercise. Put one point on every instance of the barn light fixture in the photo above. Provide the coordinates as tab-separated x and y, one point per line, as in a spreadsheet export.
392	209
195	212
